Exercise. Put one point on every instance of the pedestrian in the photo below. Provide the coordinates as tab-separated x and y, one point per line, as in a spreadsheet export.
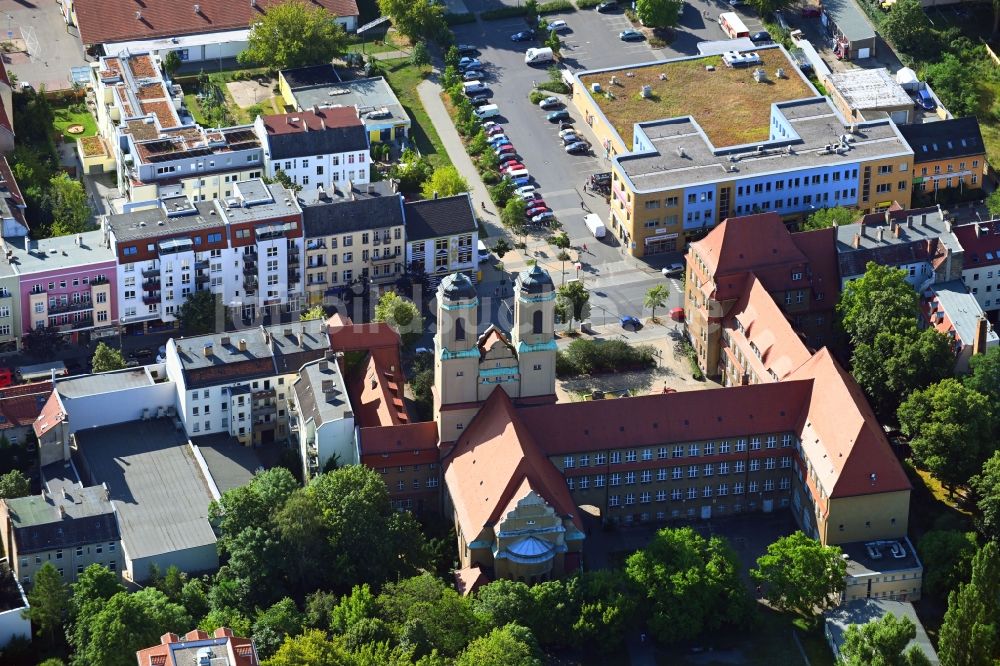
585	188
483	204
582	206
584	247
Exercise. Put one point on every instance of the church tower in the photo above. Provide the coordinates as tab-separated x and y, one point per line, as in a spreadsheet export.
533	336
456	356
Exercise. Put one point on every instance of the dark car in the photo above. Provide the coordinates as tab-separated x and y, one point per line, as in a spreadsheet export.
523	36
631	36
479	100
578	148
509	157
467	50
762	37
606	7
926	100
630	323
556	116
566	124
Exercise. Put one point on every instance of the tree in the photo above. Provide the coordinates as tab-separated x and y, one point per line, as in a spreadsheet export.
950	429
907	27
359	605
411	171
958	91
197	313
801	574
398	312
881	642
420	56
416	19
993	200
293	34
659	13
968	635
430	615
553	42
510	646
71	212
512	215
444	182
194	598
827	217
283	179
42	342
880	300
48	601
573	298
273	625
127	623
171	63
656	297
14	484
531	12
106	359
502	602
501	247
312	648
560	241
91	592
689	585
986	485
984	372
900	362
452	57
315	312
478	145
947	558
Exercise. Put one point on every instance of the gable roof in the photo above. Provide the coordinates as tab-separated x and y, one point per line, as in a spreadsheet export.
53	413
326	131
444	216
944	139
490	337
376	390
745	243
767	330
21	404
326	218
493	458
46	522
422	436
102	21
820	248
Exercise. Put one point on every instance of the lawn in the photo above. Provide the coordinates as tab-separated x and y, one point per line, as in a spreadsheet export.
767	643
404	78
931	507
66	117
729	105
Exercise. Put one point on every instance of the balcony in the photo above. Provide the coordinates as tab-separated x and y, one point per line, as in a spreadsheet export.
319	262
293	259
202	278
98	281
201	264
83	322
60	308
150	272
151	285
151	299
294	275
250	285
249	269
386	257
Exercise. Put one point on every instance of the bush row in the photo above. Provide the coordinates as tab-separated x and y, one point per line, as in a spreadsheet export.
587	4
587	357
556	6
503	12
459	19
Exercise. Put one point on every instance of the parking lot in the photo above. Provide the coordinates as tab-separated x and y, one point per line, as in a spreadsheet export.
45	49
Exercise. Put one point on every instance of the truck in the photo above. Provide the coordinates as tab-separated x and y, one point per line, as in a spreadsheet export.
596	225
39	372
538	56
733	25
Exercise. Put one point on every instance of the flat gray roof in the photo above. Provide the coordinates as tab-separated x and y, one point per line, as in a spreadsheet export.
155	222
263	342
230	463
682	155
323	406
869	88
158	490
964	311
368	95
58	252
263	202
849	19
863	611
861	563
79	386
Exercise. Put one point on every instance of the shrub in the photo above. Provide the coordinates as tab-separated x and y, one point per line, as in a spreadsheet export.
503	12
556	6
490	177
554	86
600	356
459	19
587	4
564	366
688	350
536	96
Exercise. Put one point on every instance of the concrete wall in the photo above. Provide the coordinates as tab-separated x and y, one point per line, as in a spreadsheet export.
190	560
13	623
102	409
866	517
336	439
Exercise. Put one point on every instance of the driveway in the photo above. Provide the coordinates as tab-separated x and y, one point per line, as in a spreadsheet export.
51	47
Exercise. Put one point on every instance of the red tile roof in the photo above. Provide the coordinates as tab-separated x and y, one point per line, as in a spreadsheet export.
470	579
102	21
312	121
746	243
766	327
51	415
346	336
978	240
241	650
376	390
820	248
21	404
421	436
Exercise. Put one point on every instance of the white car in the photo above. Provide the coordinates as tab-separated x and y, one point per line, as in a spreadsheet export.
566	132
527	189
558	25
528	196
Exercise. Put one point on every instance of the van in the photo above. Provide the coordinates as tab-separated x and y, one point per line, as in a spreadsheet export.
518	173
733	25
595	225
473	87
483	252
538	56
487	111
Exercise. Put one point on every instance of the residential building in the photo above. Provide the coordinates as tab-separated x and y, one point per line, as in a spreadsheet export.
11	200
862	611
679	176
20	405
980	266
6	112
323	417
442	235
222	648
70	529
353	238
158	149
240	383
953	311
11	328
406	454
209	30
383	116
948	154
65	282
316	148
869	94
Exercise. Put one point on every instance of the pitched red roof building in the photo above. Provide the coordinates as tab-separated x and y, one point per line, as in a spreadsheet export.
222	647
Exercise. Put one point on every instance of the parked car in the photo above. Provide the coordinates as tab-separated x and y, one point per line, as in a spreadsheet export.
629	322
512	166
606	7
549	103
472	75
491	124
535	211
673	270
528	189
467	49
493	130
537	202
509	157
479	100
926	100
497	139
469	63
566	124
570	138
577	148
523	36
558	26
521	181
762	37
528	196
505	149
568	130
631	36
543	217
556	116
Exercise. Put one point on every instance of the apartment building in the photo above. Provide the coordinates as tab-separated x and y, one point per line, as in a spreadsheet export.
322	416
406	455
240	383
947	155
68	283
70	528
953	311
158	148
673	178
442	235
221	648
353	238
980	266
316	148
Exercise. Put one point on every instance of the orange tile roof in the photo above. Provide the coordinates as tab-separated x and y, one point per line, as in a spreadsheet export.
493	458
376	390
765	325
746	243
21	404
51	415
241	650
422	436
470	579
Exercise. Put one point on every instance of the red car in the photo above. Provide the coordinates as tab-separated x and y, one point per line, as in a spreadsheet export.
511	166
493	131
536	210
506	150
537	202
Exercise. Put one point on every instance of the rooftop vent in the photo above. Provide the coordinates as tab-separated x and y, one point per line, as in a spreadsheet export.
197	9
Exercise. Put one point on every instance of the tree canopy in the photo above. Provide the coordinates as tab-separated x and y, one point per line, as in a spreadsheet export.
197	313
907	27
14	484
880	300
958	91
882	642
801	574
986	485
398	312
127	623
71	212
48	601
509	646
294	33
416	19
315	312
445	181
984	373
969	634
659	13
827	217
572	299
947	559
106	358
656	297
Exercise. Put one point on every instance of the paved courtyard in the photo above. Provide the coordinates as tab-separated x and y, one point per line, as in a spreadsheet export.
51	47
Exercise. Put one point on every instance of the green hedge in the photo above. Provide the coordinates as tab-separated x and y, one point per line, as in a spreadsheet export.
588	357
536	96
587	4
554	86
556	6
503	12
459	19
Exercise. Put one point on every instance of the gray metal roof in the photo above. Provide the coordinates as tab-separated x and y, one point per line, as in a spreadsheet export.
340	216
159	492
87	517
366	94
79	386
869	88
170	218
321	392
58	252
964	311
850	20
253	201
230	463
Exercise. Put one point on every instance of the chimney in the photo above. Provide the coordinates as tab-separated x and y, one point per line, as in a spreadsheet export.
64	493
923	220
62	511
982	328
435	194
863	231
896	230
888	216
909	221
208	350
947	226
879	235
302	336
327	385
243	344
323	366
857	241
